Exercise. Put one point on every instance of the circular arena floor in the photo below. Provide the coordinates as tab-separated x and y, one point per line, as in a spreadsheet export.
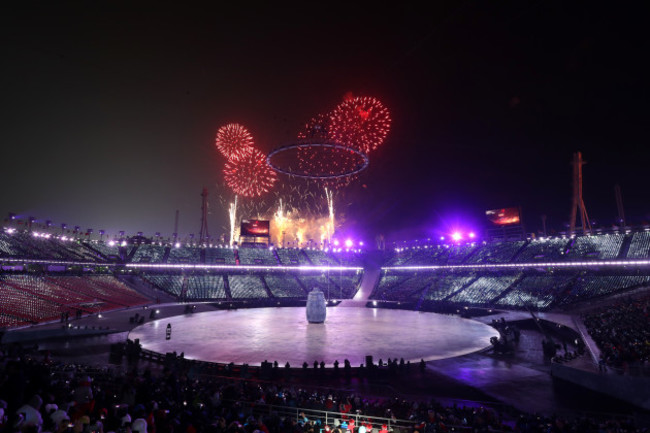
283	334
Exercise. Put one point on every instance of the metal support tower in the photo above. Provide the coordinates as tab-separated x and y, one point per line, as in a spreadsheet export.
578	204
203	232
619	205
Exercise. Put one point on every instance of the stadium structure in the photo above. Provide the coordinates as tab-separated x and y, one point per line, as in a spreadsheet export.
580	300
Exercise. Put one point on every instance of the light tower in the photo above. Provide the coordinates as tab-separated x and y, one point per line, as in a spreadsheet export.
619	205
203	232
578	204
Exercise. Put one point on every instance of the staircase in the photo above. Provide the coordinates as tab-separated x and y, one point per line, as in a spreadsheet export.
146	289
625	247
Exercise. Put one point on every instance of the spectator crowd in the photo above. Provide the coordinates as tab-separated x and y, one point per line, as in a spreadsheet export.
38	394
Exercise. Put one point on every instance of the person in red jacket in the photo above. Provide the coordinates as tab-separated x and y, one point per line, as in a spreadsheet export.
345	408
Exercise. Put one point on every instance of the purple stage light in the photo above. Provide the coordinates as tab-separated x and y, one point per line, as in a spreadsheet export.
456	236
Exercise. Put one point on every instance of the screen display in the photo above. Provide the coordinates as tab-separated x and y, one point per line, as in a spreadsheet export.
254	228
502	217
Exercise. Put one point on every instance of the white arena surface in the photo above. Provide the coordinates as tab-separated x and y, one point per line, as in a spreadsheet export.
251	336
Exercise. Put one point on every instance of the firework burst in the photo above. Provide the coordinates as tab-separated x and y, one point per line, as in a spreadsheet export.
249	175
234	141
361	123
322	161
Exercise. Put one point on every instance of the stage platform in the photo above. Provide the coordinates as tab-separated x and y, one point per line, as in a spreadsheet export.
252	336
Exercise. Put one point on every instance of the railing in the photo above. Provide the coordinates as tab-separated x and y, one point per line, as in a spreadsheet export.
577	323
327	417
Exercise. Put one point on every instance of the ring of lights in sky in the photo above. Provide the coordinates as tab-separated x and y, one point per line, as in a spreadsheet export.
334	147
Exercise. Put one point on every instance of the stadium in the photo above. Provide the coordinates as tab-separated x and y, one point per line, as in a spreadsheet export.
392	234
102	308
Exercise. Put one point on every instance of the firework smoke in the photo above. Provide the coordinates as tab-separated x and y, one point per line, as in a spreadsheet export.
234	227
300	215
330	206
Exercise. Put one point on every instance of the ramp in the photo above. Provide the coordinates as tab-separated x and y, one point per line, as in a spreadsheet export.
368	284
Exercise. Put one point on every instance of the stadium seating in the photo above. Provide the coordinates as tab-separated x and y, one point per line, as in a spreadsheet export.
484	290
535	291
284	285
497	252
23	306
321	258
639	246
447	284
461	273
7	248
346	283
34	298
590	286
621	332
404	286
457	254
184	255
543	250
604	247
244	286
200	287
256	256
220	256
322	282
291	257
149	254
170	283
107	250
349	258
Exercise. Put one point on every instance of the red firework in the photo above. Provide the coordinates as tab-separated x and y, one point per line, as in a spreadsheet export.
233	141
317	128
361	123
325	161
249	175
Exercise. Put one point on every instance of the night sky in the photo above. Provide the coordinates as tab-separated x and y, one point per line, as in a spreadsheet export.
109	110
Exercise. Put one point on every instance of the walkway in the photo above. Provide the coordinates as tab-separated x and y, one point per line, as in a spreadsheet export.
368	284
